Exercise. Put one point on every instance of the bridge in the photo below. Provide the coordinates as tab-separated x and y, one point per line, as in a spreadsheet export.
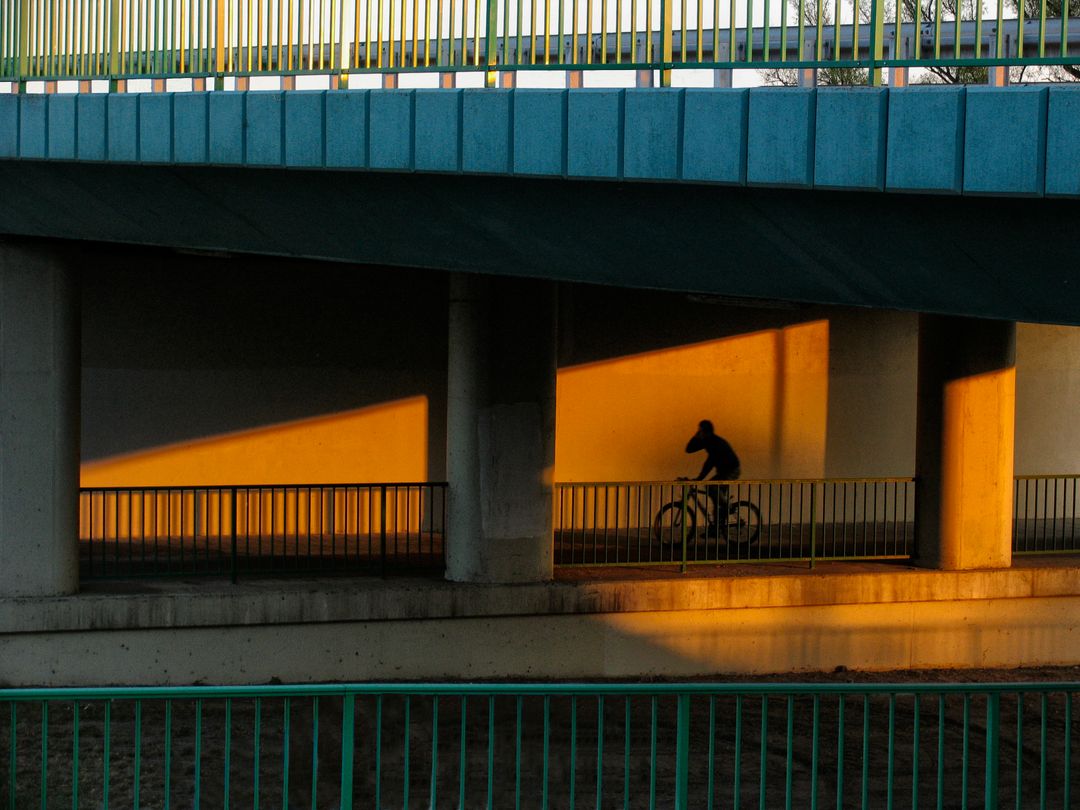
282	268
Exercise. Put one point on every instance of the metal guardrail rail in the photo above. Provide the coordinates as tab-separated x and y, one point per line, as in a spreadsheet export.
1047	520
242	530
115	39
541	745
677	523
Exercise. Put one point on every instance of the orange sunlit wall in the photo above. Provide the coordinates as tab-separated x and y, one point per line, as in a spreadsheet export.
629	418
386	442
622	419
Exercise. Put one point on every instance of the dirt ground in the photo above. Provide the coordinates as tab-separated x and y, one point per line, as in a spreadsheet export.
396	737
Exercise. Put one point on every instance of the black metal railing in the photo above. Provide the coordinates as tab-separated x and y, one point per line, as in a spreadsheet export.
1045	514
239	530
685	522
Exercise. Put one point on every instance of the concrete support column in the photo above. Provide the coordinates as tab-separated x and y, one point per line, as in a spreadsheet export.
39	424
500	433
966	416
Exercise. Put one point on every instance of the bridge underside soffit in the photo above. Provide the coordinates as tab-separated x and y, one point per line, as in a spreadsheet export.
979	256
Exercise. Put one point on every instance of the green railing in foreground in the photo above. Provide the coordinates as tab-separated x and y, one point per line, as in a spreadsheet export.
541	745
52	39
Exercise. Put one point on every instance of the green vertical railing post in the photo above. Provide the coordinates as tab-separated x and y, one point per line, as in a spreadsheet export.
232	532
491	43
813	524
993	746
682	753
219	44
686	495
114	42
665	42
877	41
23	45
382	533
348	724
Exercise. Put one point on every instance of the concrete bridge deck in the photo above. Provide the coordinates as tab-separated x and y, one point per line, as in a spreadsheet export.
995	141
809	188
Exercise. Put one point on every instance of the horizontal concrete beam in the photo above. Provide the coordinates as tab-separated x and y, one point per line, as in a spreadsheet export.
976	256
942	140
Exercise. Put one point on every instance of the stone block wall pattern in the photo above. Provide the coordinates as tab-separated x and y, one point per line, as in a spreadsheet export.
1015	141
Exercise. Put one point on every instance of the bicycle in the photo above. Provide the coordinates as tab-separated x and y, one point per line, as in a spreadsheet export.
741	526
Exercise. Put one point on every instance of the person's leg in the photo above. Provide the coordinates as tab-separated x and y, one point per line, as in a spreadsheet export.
718	509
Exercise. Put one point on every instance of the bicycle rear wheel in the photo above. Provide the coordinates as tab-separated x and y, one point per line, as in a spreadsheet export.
743	523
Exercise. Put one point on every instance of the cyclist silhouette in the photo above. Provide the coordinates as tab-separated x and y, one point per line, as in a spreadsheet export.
721	458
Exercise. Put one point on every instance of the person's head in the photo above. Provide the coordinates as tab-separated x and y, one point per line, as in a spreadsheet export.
705	428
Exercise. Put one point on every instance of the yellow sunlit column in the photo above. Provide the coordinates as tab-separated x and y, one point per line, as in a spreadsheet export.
500	445
964	444
39	411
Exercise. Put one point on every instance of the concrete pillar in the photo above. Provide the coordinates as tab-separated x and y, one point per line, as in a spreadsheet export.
500	433
966	415
39	424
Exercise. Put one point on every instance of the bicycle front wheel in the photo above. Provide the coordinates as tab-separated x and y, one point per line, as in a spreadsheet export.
743	523
668	524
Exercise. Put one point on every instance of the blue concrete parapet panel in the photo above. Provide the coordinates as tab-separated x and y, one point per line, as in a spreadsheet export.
345	133
33	123
390	129
155	128
438	131
487	130
653	125
540	132
227	123
594	139
63	132
714	135
304	131
190	128
1062	141
1005	140
264	124
925	150
1017	141
780	139
849	139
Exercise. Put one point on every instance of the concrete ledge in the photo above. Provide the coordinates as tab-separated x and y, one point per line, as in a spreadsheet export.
274	602
1012	141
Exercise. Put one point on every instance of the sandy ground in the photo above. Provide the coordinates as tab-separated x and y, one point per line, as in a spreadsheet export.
189	735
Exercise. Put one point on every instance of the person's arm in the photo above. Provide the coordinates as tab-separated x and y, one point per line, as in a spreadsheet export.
710	463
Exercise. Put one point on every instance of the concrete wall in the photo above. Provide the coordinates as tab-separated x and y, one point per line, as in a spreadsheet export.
1047	399
251	633
213	370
